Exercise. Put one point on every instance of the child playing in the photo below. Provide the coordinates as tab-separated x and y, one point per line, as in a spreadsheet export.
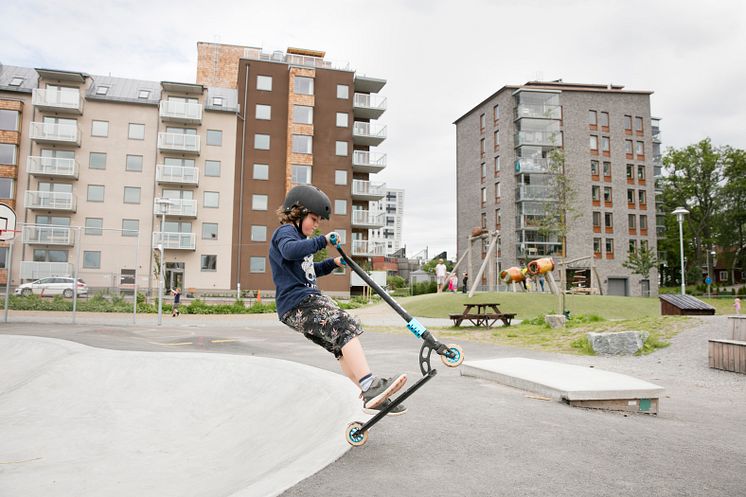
300	304
177	302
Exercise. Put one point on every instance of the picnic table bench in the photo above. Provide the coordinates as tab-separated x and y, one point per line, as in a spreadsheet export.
482	316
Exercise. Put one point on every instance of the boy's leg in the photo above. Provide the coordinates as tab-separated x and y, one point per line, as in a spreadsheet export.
353	361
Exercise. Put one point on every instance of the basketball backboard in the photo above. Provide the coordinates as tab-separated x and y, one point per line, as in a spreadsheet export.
7	223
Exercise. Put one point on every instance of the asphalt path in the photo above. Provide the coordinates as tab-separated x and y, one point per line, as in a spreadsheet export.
465	436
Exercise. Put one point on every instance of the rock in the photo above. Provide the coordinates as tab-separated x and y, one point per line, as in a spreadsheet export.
617	343
555	320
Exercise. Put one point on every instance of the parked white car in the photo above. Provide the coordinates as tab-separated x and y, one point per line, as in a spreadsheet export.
51	286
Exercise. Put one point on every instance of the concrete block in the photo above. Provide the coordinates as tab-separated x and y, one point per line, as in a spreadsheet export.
555	320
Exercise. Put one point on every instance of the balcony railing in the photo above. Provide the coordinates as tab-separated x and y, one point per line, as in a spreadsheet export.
547	138
526	192
179	142
52	166
368	248
368	106
31	270
366	219
65	100
66	134
545	111
48	235
367	190
175	241
368	162
294	59
175	207
179	175
183	112
540	165
367	133
56	201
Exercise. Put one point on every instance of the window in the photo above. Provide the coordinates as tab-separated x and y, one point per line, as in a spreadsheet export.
93	226
136	131
604	121
484	196
631	197
44	255
605	145
594	143
208	262
303	85
628	124
8	154
484	171
217	101
259	202
263	112
9	120
597	246
592	118
607	169
481	148
630	171
482	122
641	173
596	219
16	81
341	149
609	245
723	275
497	164
343	91
340	207
640	149
261	142
261	171
340	177
143	94
212	168
134	163
211	200
302	144
130	227
608	220
95	193
209	231
258	233
638	125
131	194
628	148
632	221
97	160
3	257
594	168
264	83
102	90
91	259
497	191
7	187
496	113
607	194
497	140
596	193
642	197
100	128
632	246
302	114
301	175
215	137
343	120
257	264
643	222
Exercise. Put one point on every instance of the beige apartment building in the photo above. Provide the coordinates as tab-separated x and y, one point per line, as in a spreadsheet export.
103	170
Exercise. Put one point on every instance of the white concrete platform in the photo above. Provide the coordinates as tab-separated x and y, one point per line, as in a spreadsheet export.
80	421
564	382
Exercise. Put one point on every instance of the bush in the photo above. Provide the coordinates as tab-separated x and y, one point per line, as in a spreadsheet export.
424	287
395	282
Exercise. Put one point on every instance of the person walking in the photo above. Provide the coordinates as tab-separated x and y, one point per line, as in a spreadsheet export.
440	274
177	302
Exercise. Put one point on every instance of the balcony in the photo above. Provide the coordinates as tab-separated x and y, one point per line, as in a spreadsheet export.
175	207
366	219
38	234
31	270
56	134
367	106
176	175
175	241
51	201
67	101
540	111
366	190
368	162
367	248
523	165
540	138
52	167
179	142
181	112
527	192
368	134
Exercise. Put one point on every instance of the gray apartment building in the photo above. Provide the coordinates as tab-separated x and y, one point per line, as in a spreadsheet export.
389	238
611	146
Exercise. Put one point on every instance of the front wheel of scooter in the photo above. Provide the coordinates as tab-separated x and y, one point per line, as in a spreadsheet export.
457	359
354	436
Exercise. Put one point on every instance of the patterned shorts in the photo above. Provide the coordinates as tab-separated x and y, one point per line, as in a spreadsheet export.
320	320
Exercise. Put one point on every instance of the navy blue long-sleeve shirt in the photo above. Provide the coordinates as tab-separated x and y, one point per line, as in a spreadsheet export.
293	270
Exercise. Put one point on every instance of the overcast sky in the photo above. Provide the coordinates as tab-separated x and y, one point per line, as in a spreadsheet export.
440	59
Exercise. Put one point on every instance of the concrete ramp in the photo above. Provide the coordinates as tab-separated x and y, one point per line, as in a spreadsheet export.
576	385
80	421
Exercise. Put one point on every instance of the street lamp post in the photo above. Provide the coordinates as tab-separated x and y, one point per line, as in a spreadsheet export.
163	203
680	212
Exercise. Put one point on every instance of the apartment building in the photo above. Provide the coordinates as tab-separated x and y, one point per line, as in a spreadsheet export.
392	208
104	170
304	119
611	146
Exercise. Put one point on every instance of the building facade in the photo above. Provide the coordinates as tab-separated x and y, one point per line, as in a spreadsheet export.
304	119
611	149
392	208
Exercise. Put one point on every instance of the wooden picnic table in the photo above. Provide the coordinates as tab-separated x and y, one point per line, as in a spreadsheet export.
482	316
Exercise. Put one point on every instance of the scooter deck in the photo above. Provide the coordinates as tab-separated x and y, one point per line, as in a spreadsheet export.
401	398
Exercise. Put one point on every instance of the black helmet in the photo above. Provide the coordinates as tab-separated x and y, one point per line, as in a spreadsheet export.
309	199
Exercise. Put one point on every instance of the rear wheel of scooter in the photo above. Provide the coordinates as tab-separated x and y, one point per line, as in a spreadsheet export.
354	436
457	359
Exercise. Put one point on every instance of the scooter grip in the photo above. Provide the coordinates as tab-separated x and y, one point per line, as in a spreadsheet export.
334	239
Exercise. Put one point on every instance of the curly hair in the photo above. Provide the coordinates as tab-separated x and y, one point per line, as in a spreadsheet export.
293	216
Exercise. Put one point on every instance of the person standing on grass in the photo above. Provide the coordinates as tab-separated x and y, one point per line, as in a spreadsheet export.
440	274
302	307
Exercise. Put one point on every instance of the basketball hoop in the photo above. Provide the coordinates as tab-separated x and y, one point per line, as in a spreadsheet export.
7	223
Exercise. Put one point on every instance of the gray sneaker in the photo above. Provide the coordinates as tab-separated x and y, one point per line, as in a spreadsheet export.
381	389
396	411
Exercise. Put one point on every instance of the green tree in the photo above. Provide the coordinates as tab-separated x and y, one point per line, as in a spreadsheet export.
641	261
733	219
